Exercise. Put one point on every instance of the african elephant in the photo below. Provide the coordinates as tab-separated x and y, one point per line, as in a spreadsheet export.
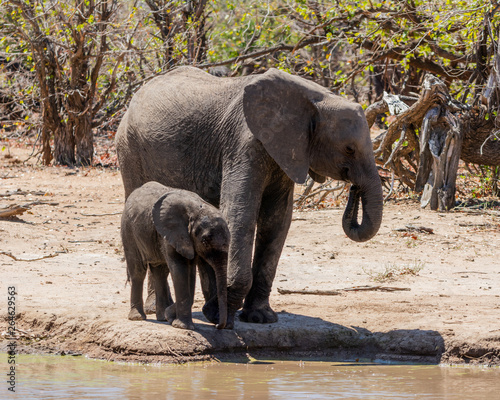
172	230
241	143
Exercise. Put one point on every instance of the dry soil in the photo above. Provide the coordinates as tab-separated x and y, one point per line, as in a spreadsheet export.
425	295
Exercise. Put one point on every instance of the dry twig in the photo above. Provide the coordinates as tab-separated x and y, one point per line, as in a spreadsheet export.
411	228
101	215
304	291
339	291
27	259
12	211
15	209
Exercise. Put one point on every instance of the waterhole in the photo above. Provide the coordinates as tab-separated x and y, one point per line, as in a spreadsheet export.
57	377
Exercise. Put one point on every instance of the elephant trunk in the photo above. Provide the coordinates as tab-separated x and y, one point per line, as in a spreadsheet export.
372	202
221	280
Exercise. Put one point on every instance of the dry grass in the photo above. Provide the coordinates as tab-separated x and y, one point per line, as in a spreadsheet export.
393	272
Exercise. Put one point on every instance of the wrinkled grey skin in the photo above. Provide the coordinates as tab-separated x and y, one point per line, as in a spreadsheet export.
241	143
172	230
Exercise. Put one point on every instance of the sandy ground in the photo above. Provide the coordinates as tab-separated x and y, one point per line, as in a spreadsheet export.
64	256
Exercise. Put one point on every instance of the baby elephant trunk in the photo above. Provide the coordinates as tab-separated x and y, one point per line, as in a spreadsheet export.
221	278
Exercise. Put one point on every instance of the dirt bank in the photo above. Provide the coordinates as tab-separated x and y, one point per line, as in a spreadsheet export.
443	304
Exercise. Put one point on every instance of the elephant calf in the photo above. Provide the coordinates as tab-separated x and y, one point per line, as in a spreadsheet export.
173	230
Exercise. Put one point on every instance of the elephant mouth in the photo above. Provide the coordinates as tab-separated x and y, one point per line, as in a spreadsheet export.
350	219
317	177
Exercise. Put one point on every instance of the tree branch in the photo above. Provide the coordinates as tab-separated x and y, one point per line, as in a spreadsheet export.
258	53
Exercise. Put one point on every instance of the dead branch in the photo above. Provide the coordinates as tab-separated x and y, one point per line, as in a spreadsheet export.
20	192
27	259
391	188
411	228
379	107
434	91
101	215
304	291
12	211
339	291
258	53
322	191
15	209
376	288
428	162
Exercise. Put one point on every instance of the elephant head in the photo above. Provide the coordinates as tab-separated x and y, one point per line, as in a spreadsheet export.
196	228
305	128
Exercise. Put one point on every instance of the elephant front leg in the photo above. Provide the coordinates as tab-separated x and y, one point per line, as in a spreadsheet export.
209	289
241	193
272	227
184	278
239	274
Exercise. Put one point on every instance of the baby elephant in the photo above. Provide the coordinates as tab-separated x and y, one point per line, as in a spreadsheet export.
173	230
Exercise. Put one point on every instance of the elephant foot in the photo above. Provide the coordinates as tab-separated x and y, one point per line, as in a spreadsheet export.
136	315
230	321
160	316
170	313
177	323
263	315
211	310
150	304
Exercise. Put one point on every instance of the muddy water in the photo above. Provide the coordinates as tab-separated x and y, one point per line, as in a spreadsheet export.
56	377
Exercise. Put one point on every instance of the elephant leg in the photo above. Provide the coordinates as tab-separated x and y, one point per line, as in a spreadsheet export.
136	271
159	275
171	313
209	289
150	304
240	201
272	227
184	278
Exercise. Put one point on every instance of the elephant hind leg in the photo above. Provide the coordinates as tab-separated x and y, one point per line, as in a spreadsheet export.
159	275
150	304
136	271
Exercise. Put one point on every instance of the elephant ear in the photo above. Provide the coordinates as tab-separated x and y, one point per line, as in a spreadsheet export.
280	113
172	222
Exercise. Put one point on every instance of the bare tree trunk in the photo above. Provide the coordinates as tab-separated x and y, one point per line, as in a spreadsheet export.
64	146
46	149
84	140
441	145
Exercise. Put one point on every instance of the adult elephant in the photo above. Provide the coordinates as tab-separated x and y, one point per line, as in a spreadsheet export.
241	143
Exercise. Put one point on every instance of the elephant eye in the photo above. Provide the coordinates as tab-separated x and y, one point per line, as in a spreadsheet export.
349	150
